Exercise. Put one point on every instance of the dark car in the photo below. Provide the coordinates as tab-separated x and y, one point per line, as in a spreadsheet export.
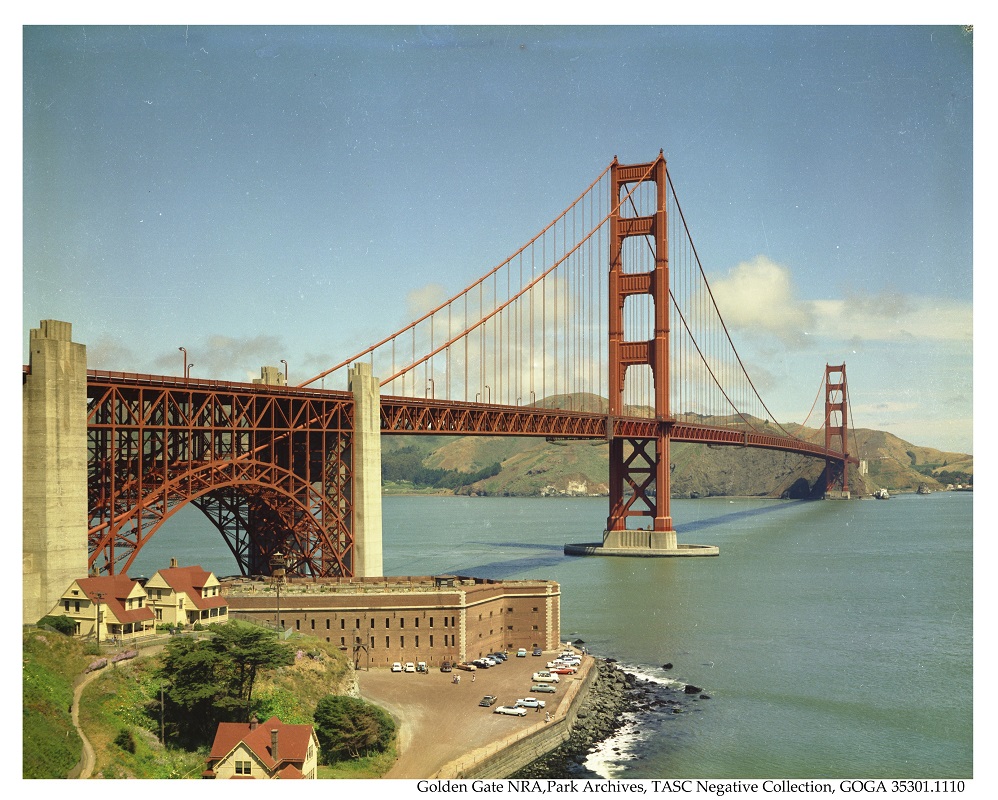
446	667
488	700
538	651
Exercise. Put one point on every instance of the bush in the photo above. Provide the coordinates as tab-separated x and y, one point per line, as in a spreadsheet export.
125	740
62	624
348	727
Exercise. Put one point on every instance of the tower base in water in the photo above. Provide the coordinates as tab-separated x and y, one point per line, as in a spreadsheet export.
641	544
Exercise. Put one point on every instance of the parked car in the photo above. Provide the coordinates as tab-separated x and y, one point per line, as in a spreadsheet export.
465	666
481	663
521	653
543	688
488	700
410	667
538	651
530	702
513	711
397	667
421	666
564	671
446	666
544	677
499	656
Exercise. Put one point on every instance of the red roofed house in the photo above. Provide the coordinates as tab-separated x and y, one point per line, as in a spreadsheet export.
263	751
186	595
119	601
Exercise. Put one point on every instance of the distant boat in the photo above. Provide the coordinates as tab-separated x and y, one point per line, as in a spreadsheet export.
881	494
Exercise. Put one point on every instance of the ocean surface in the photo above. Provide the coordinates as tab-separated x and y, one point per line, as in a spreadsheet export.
834	639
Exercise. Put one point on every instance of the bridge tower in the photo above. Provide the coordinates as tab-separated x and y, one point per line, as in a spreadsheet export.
836	432
633	474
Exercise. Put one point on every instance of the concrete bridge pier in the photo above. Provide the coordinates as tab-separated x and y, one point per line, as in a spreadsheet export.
54	478
367	548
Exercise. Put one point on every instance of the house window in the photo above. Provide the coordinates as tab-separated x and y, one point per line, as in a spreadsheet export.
244	767
65	604
388	622
431	640
386	643
327	624
313	624
417	642
372	622
77	606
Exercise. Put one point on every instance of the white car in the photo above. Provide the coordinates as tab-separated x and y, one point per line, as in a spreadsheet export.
545	677
530	702
397	667
410	667
521	653
513	711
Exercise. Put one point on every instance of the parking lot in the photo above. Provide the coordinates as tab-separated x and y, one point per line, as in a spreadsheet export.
441	720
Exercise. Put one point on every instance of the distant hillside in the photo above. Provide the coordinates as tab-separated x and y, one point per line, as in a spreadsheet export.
531	467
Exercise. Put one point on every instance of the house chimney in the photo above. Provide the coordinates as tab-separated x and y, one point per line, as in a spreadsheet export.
173	563
273	744
254	722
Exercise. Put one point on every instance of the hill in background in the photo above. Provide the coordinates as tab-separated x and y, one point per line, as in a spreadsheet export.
531	467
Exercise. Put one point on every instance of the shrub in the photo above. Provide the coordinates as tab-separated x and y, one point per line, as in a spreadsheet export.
62	624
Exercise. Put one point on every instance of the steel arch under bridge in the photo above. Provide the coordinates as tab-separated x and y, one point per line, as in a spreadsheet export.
270	466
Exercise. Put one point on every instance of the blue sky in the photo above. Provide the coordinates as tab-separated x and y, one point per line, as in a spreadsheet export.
257	193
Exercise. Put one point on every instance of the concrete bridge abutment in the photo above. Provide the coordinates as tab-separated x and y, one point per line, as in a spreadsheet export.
54	478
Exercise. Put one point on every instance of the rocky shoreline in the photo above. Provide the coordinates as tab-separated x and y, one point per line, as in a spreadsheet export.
600	716
614	693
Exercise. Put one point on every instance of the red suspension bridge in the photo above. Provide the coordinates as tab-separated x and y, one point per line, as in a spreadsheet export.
602	327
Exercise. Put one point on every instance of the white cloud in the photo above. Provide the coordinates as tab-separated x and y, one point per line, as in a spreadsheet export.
758	298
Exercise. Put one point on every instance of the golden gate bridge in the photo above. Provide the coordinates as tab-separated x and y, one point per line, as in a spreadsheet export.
602	326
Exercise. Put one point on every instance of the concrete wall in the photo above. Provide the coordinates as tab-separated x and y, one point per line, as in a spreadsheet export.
54	454
367	552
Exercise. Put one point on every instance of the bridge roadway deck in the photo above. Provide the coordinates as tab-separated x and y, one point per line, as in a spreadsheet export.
406	415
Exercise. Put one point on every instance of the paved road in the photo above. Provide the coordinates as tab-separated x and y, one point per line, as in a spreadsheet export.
440	721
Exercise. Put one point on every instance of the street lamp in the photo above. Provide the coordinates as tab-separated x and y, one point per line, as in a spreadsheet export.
188	373
277	571
184	351
285	363
98	596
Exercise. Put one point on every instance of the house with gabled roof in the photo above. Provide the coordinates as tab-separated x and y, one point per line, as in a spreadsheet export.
268	750
185	596
107	606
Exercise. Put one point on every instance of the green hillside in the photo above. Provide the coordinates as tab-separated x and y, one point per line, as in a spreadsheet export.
533	467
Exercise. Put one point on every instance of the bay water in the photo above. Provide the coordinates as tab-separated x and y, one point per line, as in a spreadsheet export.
833	639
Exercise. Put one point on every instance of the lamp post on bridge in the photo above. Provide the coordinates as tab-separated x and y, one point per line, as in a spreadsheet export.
184	351
188	375
285	363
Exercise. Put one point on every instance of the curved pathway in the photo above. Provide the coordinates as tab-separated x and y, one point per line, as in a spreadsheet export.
88	760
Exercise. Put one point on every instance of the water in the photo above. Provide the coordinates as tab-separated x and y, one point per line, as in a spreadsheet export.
833	638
